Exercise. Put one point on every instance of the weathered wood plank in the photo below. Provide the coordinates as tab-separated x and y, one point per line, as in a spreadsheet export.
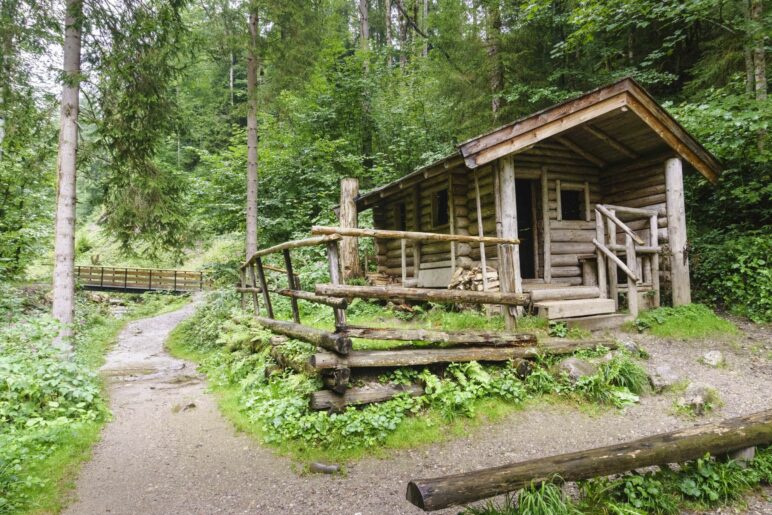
466	337
410	235
336	342
328	400
422	294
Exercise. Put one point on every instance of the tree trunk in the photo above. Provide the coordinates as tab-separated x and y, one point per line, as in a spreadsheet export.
252	176
425	17
759	55
349	246
496	77
387	20
402	35
364	24
64	236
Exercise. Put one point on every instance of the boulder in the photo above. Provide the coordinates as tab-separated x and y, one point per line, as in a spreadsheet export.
697	397
663	378
629	345
714	358
575	368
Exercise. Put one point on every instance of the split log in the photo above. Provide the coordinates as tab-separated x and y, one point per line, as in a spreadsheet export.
422	294
312	297
336	342
415	357
327	400
468	337
673	447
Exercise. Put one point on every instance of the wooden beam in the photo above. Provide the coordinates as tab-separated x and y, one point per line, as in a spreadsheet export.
333	259
416	357
327	400
576	149
466	337
295	244
336	342
292	286
312	297
349	246
423	294
545	214
509	255
410	235
619	223
613	257
677	446
609	141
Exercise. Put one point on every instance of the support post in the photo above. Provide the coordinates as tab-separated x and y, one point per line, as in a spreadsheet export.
676	230
452	223
509	262
253	278
403	259
416	227
264	286
292	285
545	214
333	258
349	246
483	260
613	288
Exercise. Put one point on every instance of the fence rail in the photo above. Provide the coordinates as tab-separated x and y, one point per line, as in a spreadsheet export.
138	280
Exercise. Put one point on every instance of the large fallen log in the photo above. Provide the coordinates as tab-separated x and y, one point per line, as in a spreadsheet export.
414	357
673	447
422	294
469	337
336	342
327	400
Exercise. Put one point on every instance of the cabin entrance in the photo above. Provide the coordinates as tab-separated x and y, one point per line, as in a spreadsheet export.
527	191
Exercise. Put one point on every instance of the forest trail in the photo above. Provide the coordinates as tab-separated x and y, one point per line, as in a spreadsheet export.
169	450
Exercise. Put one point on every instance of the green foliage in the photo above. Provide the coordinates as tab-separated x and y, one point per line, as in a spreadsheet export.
558	329
685	322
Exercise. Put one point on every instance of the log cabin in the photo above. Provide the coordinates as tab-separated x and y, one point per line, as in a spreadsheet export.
592	188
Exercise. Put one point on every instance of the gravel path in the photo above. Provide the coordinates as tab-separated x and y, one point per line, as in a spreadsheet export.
169	451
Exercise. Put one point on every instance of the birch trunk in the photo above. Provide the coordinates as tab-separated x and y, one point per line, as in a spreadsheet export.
252	175
364	24
64	242
759	54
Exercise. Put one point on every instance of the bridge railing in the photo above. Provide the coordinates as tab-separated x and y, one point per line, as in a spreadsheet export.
140	279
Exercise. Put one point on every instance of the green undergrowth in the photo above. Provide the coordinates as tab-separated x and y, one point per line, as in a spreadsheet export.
698	485
692	321
235	353
51	410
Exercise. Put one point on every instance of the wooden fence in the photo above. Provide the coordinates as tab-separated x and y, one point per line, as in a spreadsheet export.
139	280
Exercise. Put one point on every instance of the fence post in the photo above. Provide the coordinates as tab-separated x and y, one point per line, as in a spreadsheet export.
264	287
102	278
292	285
125	277
335	278
150	280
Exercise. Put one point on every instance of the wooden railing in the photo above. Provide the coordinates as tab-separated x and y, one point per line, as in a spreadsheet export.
111	278
607	247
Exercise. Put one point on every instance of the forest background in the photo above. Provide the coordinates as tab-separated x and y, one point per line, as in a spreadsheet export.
358	88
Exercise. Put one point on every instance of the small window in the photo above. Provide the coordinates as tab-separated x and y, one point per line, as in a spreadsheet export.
440	213
400	216
571	205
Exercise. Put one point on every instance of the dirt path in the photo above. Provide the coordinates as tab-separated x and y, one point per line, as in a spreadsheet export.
169	451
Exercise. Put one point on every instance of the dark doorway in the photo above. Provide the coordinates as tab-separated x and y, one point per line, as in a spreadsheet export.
526	226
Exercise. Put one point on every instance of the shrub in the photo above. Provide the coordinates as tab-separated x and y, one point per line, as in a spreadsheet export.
735	273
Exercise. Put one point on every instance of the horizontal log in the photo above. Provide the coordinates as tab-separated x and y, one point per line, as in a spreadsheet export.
422	294
632	275
328	400
336	342
295	244
673	447
409	235
255	289
611	216
336	379
579	292
467	337
286	362
312	297
416	357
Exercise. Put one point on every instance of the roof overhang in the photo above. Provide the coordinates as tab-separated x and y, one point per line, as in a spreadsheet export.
623	95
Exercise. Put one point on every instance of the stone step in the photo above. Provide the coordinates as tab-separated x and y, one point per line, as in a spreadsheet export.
555	309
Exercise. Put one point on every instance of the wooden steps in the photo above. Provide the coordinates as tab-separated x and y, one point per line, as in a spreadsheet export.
555	309
598	322
566	293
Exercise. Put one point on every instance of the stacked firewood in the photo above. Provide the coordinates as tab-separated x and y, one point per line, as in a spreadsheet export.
380	279
472	279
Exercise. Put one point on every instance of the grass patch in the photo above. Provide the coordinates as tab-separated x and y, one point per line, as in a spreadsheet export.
688	322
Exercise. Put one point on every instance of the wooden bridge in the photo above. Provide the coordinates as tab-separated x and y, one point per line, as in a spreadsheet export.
140	280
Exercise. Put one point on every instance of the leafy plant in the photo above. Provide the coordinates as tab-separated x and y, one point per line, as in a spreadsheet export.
558	329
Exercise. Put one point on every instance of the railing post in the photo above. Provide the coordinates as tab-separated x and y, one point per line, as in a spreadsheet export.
292	285
613	286
333	258
264	286
632	285
102	277
253	278
654	242
243	282
174	287
150	280
403	256
600	235
125	278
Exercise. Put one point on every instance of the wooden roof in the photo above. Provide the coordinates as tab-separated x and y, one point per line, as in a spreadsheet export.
611	127
619	101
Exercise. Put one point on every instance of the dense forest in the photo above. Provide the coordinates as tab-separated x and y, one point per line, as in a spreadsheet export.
364	88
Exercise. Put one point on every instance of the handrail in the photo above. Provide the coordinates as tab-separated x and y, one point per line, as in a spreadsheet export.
632	275
294	244
411	235
619	223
